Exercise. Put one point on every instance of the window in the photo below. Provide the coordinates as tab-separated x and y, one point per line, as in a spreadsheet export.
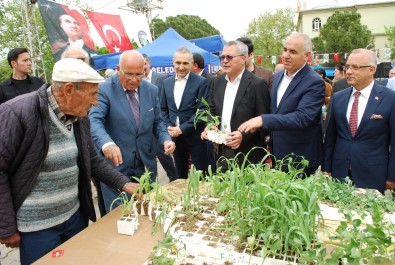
316	24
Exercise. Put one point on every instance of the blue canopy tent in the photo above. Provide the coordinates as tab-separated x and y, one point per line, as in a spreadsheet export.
213	44
161	53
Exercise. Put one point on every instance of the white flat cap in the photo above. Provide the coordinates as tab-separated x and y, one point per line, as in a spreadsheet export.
75	70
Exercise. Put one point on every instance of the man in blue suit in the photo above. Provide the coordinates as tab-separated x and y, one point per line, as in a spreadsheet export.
157	79
297	97
122	137
361	127
179	102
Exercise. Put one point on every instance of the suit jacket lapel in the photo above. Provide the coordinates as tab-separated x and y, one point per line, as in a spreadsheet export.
341	107
244	83
295	81
220	91
276	81
373	102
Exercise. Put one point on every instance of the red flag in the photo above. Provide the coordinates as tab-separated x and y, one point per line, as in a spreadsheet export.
111	30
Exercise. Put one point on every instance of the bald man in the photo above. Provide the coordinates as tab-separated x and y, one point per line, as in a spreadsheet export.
127	115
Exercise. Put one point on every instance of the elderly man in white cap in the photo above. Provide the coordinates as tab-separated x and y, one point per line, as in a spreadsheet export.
47	160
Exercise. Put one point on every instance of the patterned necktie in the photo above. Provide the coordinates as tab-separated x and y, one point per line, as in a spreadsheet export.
354	114
134	105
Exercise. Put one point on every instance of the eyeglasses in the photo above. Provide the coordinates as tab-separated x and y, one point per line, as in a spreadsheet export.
229	57
355	67
131	76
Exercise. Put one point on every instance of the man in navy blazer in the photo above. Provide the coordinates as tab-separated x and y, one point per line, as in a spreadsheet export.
297	97
116	133
180	99
157	79
365	157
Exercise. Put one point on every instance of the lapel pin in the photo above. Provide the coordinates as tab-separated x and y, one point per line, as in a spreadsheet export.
376	98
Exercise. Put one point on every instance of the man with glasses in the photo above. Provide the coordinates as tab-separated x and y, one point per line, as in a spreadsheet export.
47	162
297	97
361	127
180	99
127	115
237	96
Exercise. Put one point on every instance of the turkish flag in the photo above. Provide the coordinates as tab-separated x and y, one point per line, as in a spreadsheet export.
111	30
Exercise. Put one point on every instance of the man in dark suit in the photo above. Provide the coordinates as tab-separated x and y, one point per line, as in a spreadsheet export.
179	102
361	128
265	74
122	126
198	68
157	79
296	100
20	81
237	96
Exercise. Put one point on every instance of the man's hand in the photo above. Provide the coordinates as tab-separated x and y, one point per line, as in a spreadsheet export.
174	131
234	139
251	125
390	185
12	241
113	153
203	135
130	188
169	147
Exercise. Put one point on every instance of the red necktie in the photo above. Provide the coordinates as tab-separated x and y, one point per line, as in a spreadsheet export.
354	114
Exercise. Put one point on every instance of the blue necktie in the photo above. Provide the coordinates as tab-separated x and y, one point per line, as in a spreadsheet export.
134	105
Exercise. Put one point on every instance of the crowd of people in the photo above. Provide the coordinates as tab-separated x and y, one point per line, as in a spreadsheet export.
58	138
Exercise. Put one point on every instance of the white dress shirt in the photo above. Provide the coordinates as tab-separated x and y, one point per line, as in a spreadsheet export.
179	87
229	100
362	102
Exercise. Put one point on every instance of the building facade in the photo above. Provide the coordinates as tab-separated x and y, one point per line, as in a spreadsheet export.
376	16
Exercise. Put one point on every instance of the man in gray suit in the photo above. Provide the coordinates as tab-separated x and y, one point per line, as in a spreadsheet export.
157	79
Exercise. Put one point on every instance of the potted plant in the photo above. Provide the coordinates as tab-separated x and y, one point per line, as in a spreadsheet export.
128	222
214	134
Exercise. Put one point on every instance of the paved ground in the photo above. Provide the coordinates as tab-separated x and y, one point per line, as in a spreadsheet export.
10	256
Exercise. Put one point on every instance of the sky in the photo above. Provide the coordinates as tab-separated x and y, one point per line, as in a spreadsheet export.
231	18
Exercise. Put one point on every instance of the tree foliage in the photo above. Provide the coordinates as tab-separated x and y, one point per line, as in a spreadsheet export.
188	26
390	31
14	34
268	32
343	32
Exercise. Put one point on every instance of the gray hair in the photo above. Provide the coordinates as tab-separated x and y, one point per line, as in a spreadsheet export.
57	86
372	55
307	44
242	49
184	50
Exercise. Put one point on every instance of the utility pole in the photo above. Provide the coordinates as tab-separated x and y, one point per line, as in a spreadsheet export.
144	7
32	39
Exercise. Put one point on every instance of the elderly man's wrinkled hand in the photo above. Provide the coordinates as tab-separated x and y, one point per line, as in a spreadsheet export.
12	241
169	147
113	153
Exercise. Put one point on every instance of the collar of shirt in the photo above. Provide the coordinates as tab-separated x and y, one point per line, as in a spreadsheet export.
137	90
237	79
292	76
65	119
365	92
201	72
186	77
